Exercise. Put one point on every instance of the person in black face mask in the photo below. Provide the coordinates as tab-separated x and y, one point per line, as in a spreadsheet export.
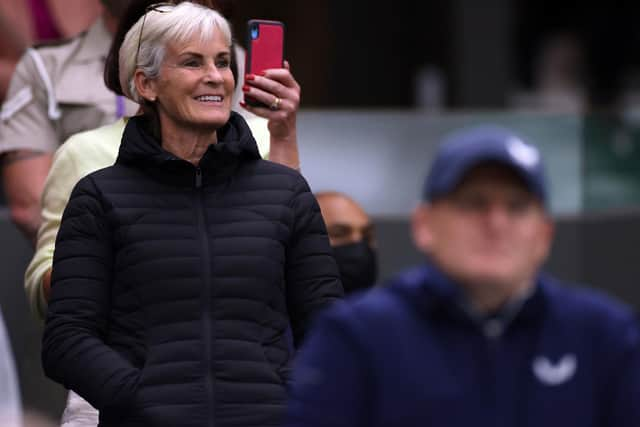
352	238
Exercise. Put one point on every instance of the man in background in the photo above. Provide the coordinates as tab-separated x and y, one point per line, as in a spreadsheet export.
352	237
55	92
477	335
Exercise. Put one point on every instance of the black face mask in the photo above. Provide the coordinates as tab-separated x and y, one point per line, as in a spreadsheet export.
358	265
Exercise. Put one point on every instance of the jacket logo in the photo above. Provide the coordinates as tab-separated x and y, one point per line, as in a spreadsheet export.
555	374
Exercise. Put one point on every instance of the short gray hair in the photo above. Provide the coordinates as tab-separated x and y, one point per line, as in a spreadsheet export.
162	25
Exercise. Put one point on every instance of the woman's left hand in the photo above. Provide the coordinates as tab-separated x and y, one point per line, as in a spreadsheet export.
280	93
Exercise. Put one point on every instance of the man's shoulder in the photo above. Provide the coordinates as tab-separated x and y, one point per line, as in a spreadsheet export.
52	46
375	310
580	299
42	64
587	309
56	53
394	295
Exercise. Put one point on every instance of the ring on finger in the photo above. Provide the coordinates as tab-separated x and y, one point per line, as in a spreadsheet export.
276	103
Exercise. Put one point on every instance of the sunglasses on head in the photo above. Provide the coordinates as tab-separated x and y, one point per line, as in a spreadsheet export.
157	7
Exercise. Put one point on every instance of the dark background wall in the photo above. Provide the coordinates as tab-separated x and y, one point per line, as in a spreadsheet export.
356	52
367	52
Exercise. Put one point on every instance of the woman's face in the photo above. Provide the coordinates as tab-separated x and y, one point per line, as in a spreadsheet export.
195	85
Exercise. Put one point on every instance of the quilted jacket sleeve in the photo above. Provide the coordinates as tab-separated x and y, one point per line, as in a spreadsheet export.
312	275
74	352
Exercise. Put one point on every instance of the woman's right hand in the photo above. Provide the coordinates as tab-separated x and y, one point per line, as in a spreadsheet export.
278	89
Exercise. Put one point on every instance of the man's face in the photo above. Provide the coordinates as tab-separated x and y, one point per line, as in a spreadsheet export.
490	230
345	220
352	239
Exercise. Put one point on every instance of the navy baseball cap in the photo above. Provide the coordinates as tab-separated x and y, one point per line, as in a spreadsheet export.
462	150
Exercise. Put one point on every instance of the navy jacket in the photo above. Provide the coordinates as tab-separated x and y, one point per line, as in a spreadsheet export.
408	355
175	288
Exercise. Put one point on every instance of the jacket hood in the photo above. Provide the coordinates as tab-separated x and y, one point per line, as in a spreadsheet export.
140	148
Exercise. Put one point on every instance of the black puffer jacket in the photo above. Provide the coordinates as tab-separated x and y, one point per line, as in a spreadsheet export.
174	286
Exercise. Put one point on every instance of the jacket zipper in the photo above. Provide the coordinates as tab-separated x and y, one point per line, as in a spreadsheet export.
206	305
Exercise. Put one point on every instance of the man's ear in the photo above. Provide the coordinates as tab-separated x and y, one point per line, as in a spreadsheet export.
545	239
421	227
146	87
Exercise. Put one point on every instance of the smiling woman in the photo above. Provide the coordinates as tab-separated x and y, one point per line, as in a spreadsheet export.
185	274
181	74
191	95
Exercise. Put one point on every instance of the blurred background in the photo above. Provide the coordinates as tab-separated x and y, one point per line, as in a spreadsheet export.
382	81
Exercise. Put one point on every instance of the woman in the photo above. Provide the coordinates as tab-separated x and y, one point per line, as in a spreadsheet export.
89	151
178	270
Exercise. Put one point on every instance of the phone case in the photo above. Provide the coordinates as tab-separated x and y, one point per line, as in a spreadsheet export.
265	48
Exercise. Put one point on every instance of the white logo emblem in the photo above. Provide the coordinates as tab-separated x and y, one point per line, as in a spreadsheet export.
522	153
553	375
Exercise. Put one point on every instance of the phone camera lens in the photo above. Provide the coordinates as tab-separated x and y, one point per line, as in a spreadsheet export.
254	32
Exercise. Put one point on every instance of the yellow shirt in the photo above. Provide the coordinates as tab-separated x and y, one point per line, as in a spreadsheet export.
80	155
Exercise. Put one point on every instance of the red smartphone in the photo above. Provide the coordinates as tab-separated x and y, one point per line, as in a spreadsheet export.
265	49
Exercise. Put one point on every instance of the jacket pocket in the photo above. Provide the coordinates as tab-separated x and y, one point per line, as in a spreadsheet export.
277	359
125	407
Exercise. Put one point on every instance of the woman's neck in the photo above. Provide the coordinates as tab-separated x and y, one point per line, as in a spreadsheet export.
189	144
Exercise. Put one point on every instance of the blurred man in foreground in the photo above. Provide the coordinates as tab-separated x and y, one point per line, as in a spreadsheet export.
476	336
352	238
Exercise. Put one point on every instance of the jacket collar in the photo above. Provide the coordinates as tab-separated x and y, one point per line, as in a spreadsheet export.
141	149
436	295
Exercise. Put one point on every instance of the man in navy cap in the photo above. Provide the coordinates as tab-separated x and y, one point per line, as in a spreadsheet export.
477	336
